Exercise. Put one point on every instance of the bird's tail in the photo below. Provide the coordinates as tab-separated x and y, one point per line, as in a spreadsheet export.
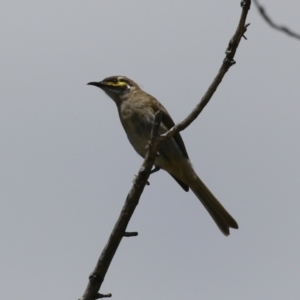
220	215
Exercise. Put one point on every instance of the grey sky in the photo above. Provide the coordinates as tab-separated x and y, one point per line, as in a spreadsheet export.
66	164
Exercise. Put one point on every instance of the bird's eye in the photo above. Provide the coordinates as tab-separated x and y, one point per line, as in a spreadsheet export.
115	80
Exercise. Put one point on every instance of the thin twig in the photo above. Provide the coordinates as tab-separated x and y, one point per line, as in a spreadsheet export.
282	28
227	63
97	277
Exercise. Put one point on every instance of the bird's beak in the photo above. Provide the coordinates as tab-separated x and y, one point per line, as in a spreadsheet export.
98	84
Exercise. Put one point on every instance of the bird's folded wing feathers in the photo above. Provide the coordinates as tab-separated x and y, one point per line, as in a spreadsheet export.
169	123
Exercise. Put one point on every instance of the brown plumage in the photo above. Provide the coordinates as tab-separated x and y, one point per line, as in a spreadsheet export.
136	111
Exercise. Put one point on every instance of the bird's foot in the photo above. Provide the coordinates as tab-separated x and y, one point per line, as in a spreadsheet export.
155	169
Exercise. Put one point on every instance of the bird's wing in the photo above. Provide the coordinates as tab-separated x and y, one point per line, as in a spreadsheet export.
169	123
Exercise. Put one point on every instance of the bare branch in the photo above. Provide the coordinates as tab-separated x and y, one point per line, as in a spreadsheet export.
132	200
119	231
284	29
227	63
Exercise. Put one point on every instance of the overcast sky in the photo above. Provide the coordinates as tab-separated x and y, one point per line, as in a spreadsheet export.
66	164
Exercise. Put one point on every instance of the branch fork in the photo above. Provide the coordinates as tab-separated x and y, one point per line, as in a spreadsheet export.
119	230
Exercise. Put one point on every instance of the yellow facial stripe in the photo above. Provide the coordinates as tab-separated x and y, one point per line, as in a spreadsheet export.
119	83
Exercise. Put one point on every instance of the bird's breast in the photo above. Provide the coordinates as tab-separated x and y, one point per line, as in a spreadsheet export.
137	121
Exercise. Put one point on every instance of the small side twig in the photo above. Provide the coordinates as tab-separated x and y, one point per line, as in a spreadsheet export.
282	28
130	234
99	296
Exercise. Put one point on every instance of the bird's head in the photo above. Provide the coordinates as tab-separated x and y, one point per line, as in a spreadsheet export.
116	87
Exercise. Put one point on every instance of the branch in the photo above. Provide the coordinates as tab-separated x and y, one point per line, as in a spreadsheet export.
227	63
119	231
132	200
284	29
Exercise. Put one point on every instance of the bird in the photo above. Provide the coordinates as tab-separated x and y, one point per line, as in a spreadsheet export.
137	110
